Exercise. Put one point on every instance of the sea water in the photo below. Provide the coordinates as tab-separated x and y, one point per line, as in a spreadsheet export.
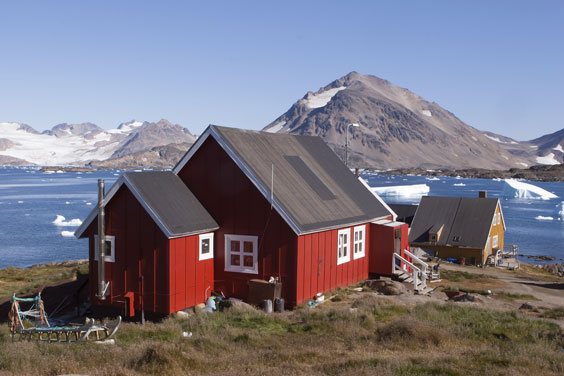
31	200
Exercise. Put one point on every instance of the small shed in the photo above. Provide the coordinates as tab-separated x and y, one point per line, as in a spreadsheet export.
160	244
392	238
459	227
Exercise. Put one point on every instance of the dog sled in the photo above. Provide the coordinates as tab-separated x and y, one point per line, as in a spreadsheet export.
39	328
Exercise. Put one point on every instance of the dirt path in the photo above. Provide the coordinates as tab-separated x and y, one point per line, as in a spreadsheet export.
549	291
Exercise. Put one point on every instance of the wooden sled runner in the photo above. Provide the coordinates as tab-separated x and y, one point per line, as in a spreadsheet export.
43	331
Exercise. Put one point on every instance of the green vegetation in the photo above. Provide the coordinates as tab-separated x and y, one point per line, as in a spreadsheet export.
554	313
29	280
512	296
459	276
356	336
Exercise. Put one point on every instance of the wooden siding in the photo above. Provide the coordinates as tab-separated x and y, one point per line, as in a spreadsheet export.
141	249
382	250
240	209
191	280
317	269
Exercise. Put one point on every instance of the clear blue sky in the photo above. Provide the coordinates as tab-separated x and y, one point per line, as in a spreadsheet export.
497	65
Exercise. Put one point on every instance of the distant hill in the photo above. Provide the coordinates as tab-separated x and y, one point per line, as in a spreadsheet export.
153	144
399	129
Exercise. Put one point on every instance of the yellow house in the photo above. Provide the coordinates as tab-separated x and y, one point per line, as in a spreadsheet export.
459	227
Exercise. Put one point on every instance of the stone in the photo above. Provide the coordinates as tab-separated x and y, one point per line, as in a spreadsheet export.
463	298
386	287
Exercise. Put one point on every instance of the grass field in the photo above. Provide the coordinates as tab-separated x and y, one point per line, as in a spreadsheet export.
363	334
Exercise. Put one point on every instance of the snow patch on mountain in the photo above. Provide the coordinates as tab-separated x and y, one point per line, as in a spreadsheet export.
276	127
548	159
321	99
494	139
558	148
427	113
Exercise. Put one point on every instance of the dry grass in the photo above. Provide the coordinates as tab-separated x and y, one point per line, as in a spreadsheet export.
27	280
363	334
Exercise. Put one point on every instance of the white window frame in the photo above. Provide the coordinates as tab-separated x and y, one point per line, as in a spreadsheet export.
359	245
344	245
498	218
112	256
241	268
495	241
208	236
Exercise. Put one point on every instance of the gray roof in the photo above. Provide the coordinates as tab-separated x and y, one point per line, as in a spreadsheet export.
313	189
469	219
168	201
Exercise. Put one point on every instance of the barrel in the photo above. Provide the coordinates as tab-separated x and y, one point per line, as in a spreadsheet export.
279	305
267	306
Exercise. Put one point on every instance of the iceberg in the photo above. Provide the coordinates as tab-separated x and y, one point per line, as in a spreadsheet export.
402	190
61	221
543	218
67	234
518	189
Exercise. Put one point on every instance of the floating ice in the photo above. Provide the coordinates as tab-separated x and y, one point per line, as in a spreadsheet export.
402	190
67	202
433	178
542	218
88	203
459	185
559	210
518	189
60	221
67	234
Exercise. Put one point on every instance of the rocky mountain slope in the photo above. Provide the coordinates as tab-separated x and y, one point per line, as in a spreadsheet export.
88	144
400	129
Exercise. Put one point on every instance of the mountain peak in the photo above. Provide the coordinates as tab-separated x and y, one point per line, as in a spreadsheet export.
398	128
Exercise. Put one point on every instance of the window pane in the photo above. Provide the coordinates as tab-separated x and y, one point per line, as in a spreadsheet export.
355	247
360	233
235	260
235	246
248	261
248	247
345	237
205	246
107	248
340	249
345	251
355	236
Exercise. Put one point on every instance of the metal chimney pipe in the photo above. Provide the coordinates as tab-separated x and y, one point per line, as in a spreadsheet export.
101	242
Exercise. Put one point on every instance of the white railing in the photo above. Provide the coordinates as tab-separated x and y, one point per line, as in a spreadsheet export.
416	273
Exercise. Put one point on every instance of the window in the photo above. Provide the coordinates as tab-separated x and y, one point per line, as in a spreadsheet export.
358	241
494	241
206	246
343	246
498	218
241	254
109	248
456	238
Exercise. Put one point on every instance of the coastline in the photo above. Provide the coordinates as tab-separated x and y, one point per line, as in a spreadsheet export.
545	173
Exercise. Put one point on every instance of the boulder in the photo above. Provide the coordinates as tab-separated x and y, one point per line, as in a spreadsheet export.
385	287
463	298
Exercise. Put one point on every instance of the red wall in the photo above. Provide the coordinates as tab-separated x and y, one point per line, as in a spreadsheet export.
382	251
173	278
141	249
317	269
239	208
191	280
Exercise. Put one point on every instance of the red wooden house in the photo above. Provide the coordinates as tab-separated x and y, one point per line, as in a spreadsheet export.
279	205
